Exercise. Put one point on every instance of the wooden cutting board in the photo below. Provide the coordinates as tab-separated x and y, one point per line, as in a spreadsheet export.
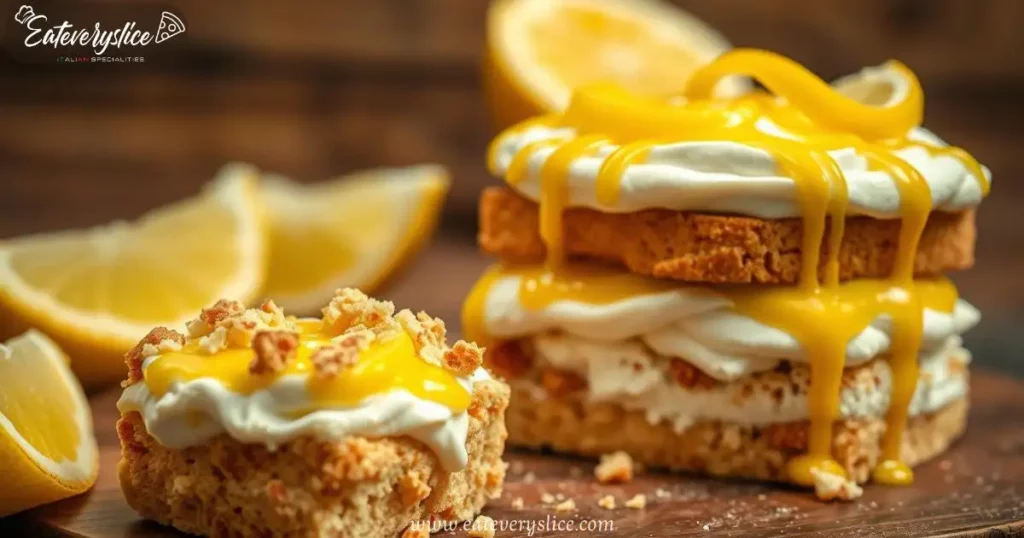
976	489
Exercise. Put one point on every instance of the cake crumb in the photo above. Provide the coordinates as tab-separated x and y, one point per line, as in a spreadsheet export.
276	491
215	341
342	353
483	527
428	334
547	498
567	505
209	318
607	502
614	468
272	350
945	465
517	467
828	486
638	501
517	503
160	339
412	488
167	345
463	358
762	497
351	308
529	477
662	494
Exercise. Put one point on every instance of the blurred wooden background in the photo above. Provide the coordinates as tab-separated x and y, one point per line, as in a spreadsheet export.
315	89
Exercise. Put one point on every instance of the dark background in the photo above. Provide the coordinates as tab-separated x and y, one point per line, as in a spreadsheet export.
316	89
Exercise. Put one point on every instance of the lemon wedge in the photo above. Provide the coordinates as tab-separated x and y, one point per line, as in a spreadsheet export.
96	292
354	231
539	50
47	448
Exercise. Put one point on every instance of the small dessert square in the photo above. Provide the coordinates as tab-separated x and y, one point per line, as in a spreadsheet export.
258	424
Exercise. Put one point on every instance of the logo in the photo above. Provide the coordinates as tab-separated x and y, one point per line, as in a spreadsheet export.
106	32
170	26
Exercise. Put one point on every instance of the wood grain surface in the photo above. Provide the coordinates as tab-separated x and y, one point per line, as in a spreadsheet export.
976	489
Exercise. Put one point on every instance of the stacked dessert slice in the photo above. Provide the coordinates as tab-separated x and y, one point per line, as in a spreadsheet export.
356	425
748	287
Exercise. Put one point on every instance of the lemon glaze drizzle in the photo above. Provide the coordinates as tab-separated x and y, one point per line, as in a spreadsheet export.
386	365
821	316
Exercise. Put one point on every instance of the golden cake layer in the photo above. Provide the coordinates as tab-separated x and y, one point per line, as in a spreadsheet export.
356	488
696	247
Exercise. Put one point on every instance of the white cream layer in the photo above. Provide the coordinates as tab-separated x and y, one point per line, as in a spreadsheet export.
630	375
729	177
695	324
193	412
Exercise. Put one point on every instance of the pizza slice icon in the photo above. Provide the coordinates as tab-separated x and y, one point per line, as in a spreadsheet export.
170	26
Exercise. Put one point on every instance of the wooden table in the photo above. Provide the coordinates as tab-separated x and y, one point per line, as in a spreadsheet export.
976	489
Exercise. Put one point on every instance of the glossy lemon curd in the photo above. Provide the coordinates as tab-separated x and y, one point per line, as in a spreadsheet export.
819	312
386	365
539	287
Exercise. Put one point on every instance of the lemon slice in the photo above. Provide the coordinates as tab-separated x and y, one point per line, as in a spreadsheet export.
96	292
47	448
351	232
539	50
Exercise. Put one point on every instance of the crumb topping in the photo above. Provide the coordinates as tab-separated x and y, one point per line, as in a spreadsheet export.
614	468
330	360
607	502
229	325
272	350
350	308
214	342
210	317
428	334
151	344
167	345
463	358
352	320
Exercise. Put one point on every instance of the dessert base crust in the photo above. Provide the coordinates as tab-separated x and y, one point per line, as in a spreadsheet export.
590	429
697	247
359	487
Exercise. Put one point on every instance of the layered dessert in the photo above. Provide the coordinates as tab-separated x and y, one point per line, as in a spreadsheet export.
749	286
359	424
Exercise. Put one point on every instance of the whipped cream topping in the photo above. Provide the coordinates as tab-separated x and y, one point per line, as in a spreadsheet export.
731	177
630	375
697	325
193	412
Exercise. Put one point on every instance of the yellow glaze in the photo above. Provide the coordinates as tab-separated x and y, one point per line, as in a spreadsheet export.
386	365
820	313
